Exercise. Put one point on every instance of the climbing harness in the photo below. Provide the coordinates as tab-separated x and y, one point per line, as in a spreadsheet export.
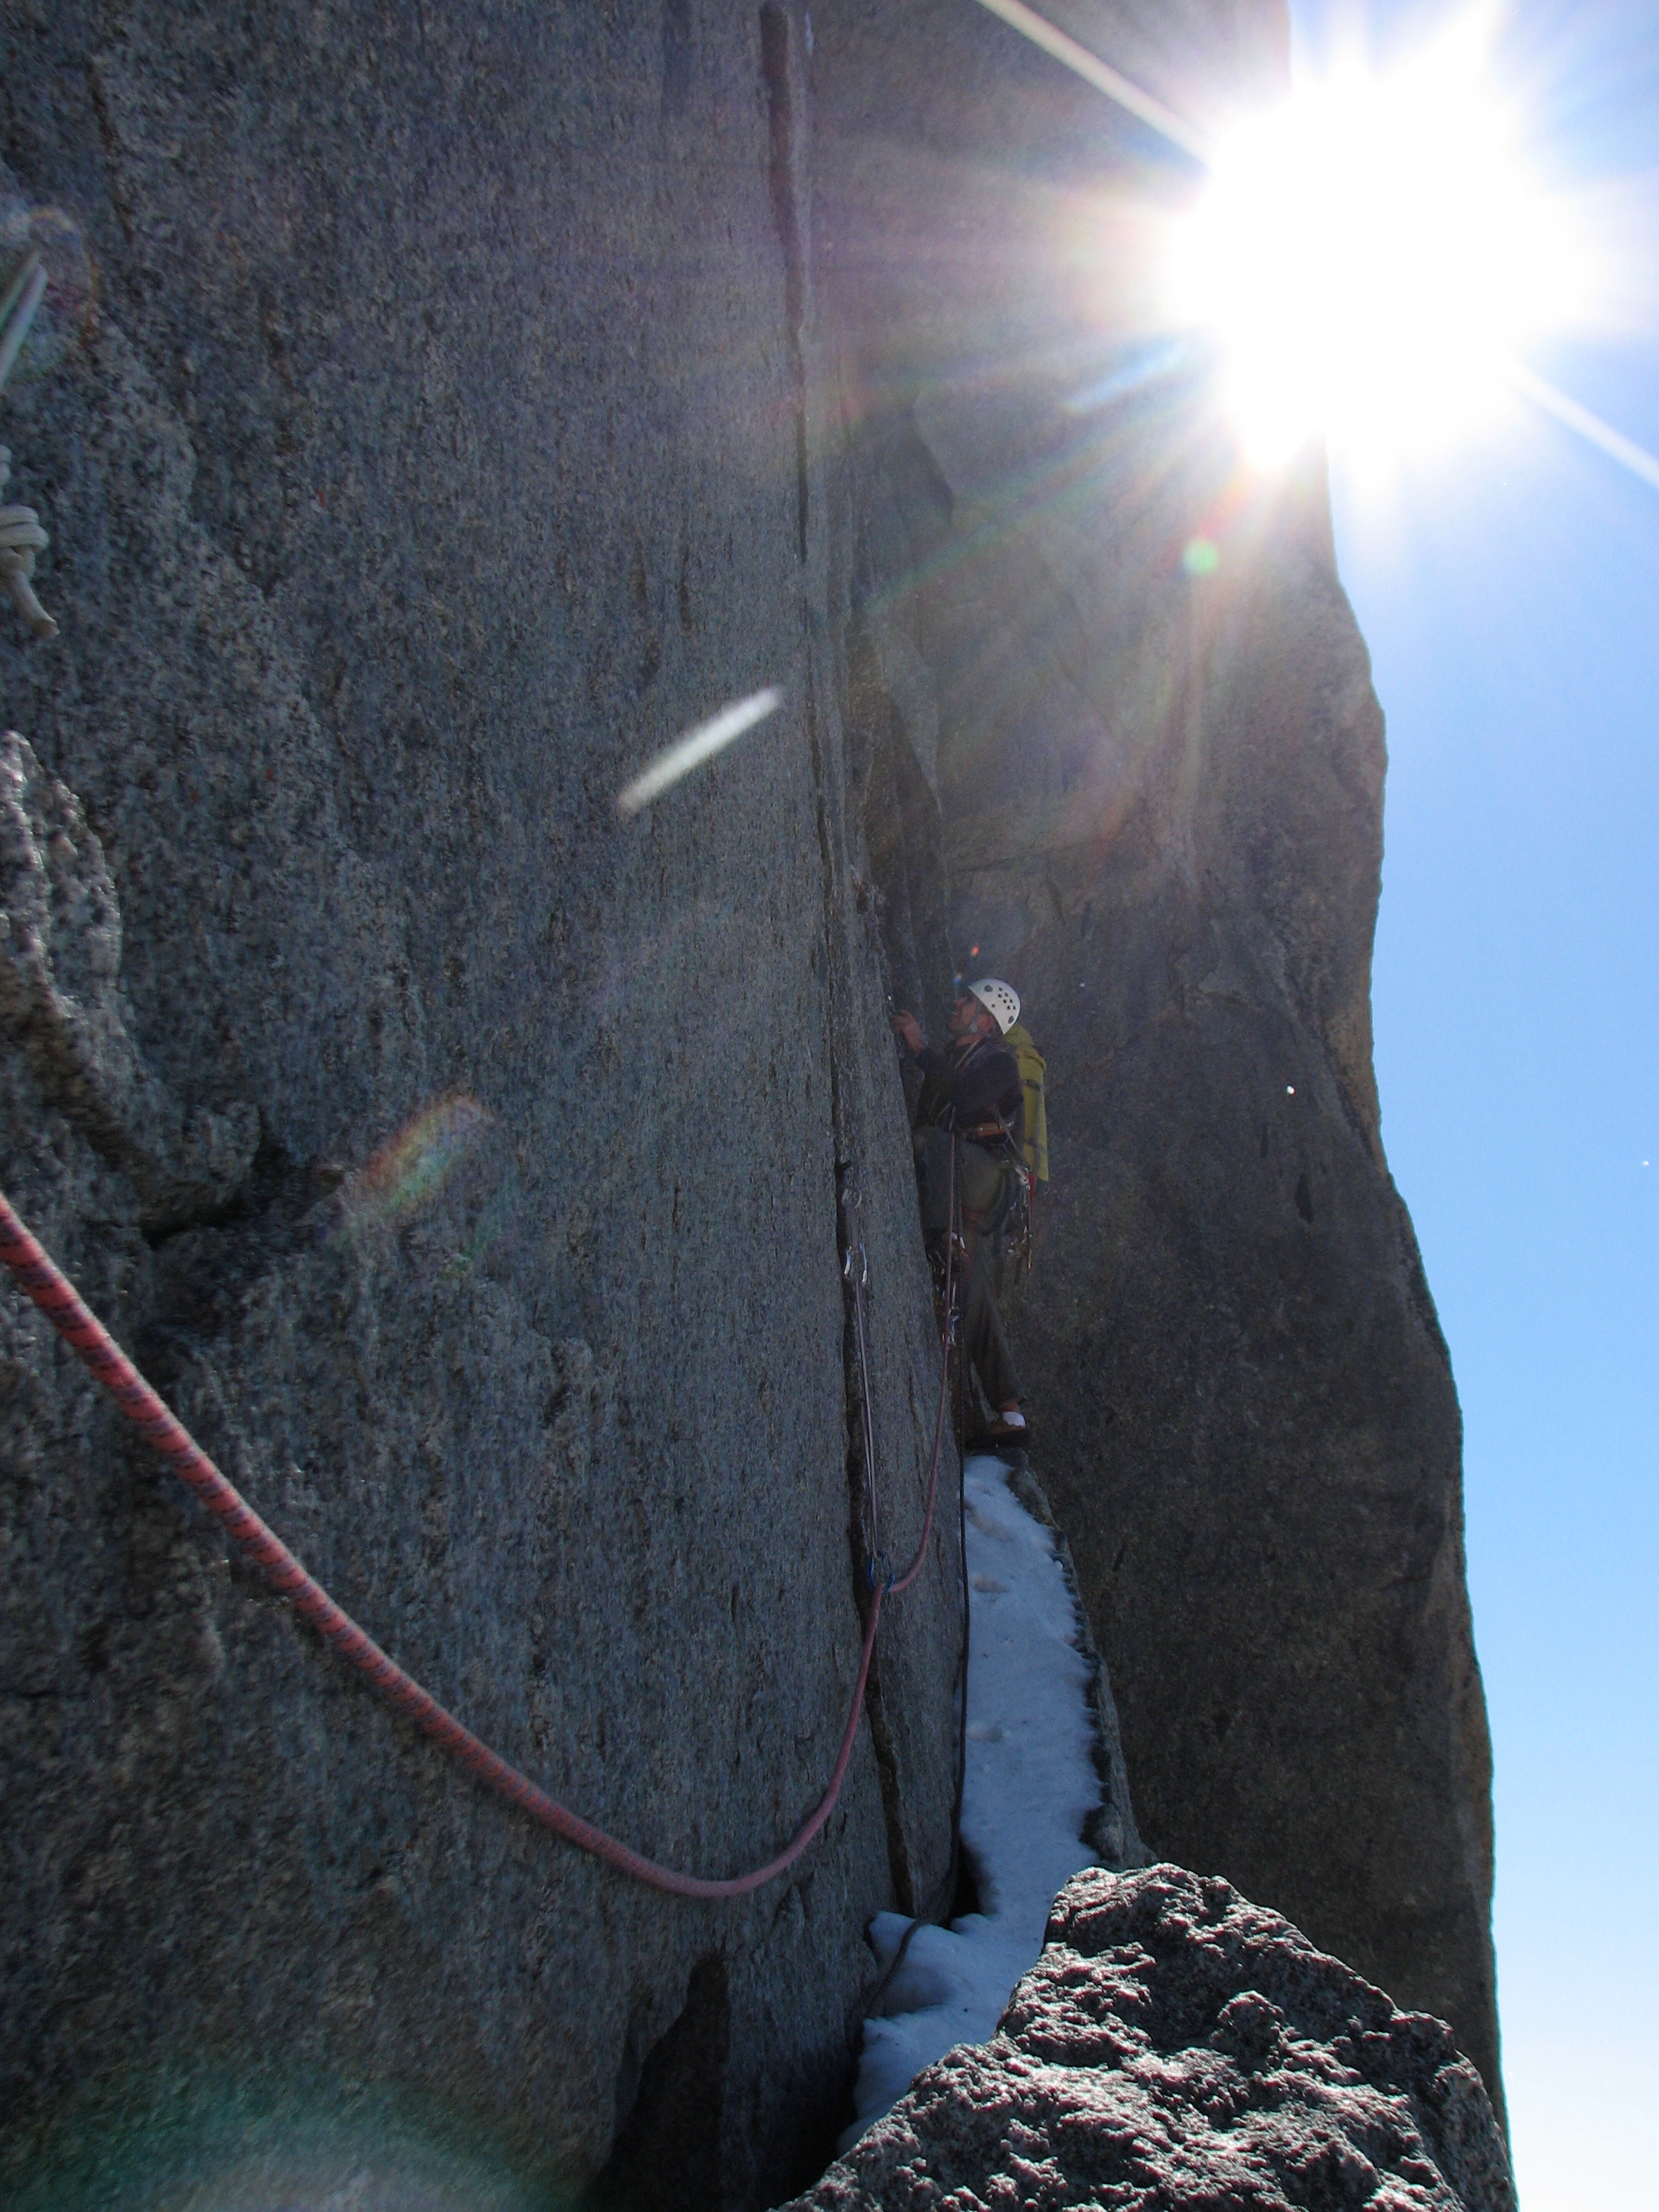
52	1291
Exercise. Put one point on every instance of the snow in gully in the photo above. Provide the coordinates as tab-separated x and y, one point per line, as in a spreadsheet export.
1030	1784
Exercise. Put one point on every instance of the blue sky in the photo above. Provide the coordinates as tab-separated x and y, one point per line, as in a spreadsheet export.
1510	594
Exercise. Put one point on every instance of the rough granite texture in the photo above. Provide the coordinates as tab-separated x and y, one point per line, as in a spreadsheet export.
1160	794
1176	2047
435	456
477	395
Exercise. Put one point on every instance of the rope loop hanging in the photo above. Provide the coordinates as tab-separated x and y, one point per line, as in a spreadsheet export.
21	539
44	1283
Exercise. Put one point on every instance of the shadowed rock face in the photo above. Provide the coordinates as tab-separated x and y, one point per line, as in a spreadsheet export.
461	1159
1159	790
1177	2046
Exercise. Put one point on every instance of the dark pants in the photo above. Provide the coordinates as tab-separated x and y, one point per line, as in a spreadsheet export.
981	1187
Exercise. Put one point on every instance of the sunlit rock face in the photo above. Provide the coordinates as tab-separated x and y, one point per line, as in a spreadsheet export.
1126	678
1177	2047
460	1158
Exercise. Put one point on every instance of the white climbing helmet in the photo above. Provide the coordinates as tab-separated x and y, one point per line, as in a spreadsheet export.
999	1000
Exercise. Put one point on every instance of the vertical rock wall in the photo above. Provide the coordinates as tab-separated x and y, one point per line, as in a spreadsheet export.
475	398
1157	796
466	1163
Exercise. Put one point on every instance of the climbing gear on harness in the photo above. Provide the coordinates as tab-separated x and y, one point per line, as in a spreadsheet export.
991	1134
999	1000
1018	1222
48	1288
1004	1208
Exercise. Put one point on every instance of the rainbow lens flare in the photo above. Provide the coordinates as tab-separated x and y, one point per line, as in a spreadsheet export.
412	1167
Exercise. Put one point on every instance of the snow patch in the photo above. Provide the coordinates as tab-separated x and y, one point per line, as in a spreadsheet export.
1030	1783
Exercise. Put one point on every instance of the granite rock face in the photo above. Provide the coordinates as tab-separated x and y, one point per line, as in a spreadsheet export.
61	1005
476	397
1127	673
466	1163
1176	2047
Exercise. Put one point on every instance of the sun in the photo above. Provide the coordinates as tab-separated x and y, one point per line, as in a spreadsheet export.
1370	256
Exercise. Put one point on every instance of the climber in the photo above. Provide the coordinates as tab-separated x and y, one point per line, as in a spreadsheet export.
972	1093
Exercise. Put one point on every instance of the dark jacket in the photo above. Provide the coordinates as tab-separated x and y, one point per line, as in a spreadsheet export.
969	1091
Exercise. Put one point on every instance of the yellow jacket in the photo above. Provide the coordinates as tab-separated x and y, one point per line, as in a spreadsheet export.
1033	1112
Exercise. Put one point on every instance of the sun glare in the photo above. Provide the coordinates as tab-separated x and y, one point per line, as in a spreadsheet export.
1370	256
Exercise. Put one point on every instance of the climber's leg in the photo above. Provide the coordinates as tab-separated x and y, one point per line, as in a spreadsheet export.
984	1339
932	1148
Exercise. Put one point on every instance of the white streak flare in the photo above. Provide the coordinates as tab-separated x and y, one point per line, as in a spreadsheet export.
1103	78
700	743
1637	458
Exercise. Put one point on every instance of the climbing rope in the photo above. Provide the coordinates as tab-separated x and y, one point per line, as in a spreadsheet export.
21	538
52	1291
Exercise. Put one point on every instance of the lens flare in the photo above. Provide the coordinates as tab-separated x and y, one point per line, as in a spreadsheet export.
411	1167
699	744
1371	253
64	314
256	2145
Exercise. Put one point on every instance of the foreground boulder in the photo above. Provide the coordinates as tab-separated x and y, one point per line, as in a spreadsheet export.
1177	2046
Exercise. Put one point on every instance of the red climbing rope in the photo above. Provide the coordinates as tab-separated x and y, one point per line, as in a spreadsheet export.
80	1328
